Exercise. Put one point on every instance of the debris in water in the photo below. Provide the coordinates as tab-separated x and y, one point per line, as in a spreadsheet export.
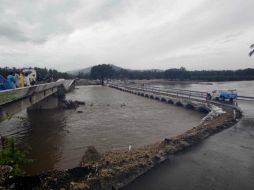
215	112
72	104
79	111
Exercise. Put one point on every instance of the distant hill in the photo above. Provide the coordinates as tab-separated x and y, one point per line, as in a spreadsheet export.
76	72
116	68
88	70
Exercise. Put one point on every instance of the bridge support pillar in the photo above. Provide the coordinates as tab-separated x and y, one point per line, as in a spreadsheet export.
51	102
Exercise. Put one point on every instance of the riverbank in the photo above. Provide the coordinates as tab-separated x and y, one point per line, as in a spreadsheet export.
115	169
223	162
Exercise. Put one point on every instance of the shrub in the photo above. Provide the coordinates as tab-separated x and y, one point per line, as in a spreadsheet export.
12	156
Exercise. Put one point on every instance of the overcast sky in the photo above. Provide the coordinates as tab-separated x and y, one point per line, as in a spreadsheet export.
136	34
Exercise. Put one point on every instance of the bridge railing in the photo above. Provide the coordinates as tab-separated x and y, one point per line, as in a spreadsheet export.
193	93
178	94
7	96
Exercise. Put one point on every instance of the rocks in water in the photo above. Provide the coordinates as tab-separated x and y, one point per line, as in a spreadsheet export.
79	111
156	159
80	102
72	104
167	140
91	155
123	105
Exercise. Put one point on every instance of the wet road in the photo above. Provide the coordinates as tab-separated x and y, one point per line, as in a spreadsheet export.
111	119
224	161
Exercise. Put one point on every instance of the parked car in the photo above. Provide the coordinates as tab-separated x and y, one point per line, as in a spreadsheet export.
222	95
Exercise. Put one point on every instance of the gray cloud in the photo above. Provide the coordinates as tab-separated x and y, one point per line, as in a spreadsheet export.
143	34
8	30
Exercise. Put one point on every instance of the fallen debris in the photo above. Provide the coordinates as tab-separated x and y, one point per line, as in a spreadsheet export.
79	111
215	111
71	104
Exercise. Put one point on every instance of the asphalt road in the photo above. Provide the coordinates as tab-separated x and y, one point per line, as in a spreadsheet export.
224	161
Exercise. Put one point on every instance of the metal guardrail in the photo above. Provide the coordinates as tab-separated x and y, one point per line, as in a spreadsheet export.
7	96
178	94
247	98
196	93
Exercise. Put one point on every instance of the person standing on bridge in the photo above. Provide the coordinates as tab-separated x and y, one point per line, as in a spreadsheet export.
17	80
21	80
11	80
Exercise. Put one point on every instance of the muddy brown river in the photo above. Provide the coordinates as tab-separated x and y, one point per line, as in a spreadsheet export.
111	119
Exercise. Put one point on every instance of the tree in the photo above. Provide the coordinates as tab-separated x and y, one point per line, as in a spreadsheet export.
252	50
102	72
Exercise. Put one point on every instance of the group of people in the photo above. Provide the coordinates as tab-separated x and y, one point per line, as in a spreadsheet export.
16	80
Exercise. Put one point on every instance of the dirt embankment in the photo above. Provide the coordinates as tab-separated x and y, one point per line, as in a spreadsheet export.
115	169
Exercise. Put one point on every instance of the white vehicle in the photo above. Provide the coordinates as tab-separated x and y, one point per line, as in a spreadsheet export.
30	76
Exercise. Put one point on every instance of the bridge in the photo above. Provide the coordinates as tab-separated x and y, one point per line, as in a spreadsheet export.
185	98
42	96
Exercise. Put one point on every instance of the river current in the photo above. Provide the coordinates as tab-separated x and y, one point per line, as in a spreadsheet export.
111	119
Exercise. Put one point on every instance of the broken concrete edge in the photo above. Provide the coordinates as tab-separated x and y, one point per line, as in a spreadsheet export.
71	104
115	169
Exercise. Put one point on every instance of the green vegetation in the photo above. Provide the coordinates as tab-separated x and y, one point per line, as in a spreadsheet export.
12	156
50	74
43	74
102	72
105	71
175	74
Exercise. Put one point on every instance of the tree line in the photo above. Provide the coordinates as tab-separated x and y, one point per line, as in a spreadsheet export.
106	71
43	74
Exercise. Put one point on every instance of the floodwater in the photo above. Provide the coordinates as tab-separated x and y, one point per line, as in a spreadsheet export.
111	119
224	161
244	88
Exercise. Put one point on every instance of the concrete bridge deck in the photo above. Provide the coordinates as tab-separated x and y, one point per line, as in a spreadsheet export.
15	100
